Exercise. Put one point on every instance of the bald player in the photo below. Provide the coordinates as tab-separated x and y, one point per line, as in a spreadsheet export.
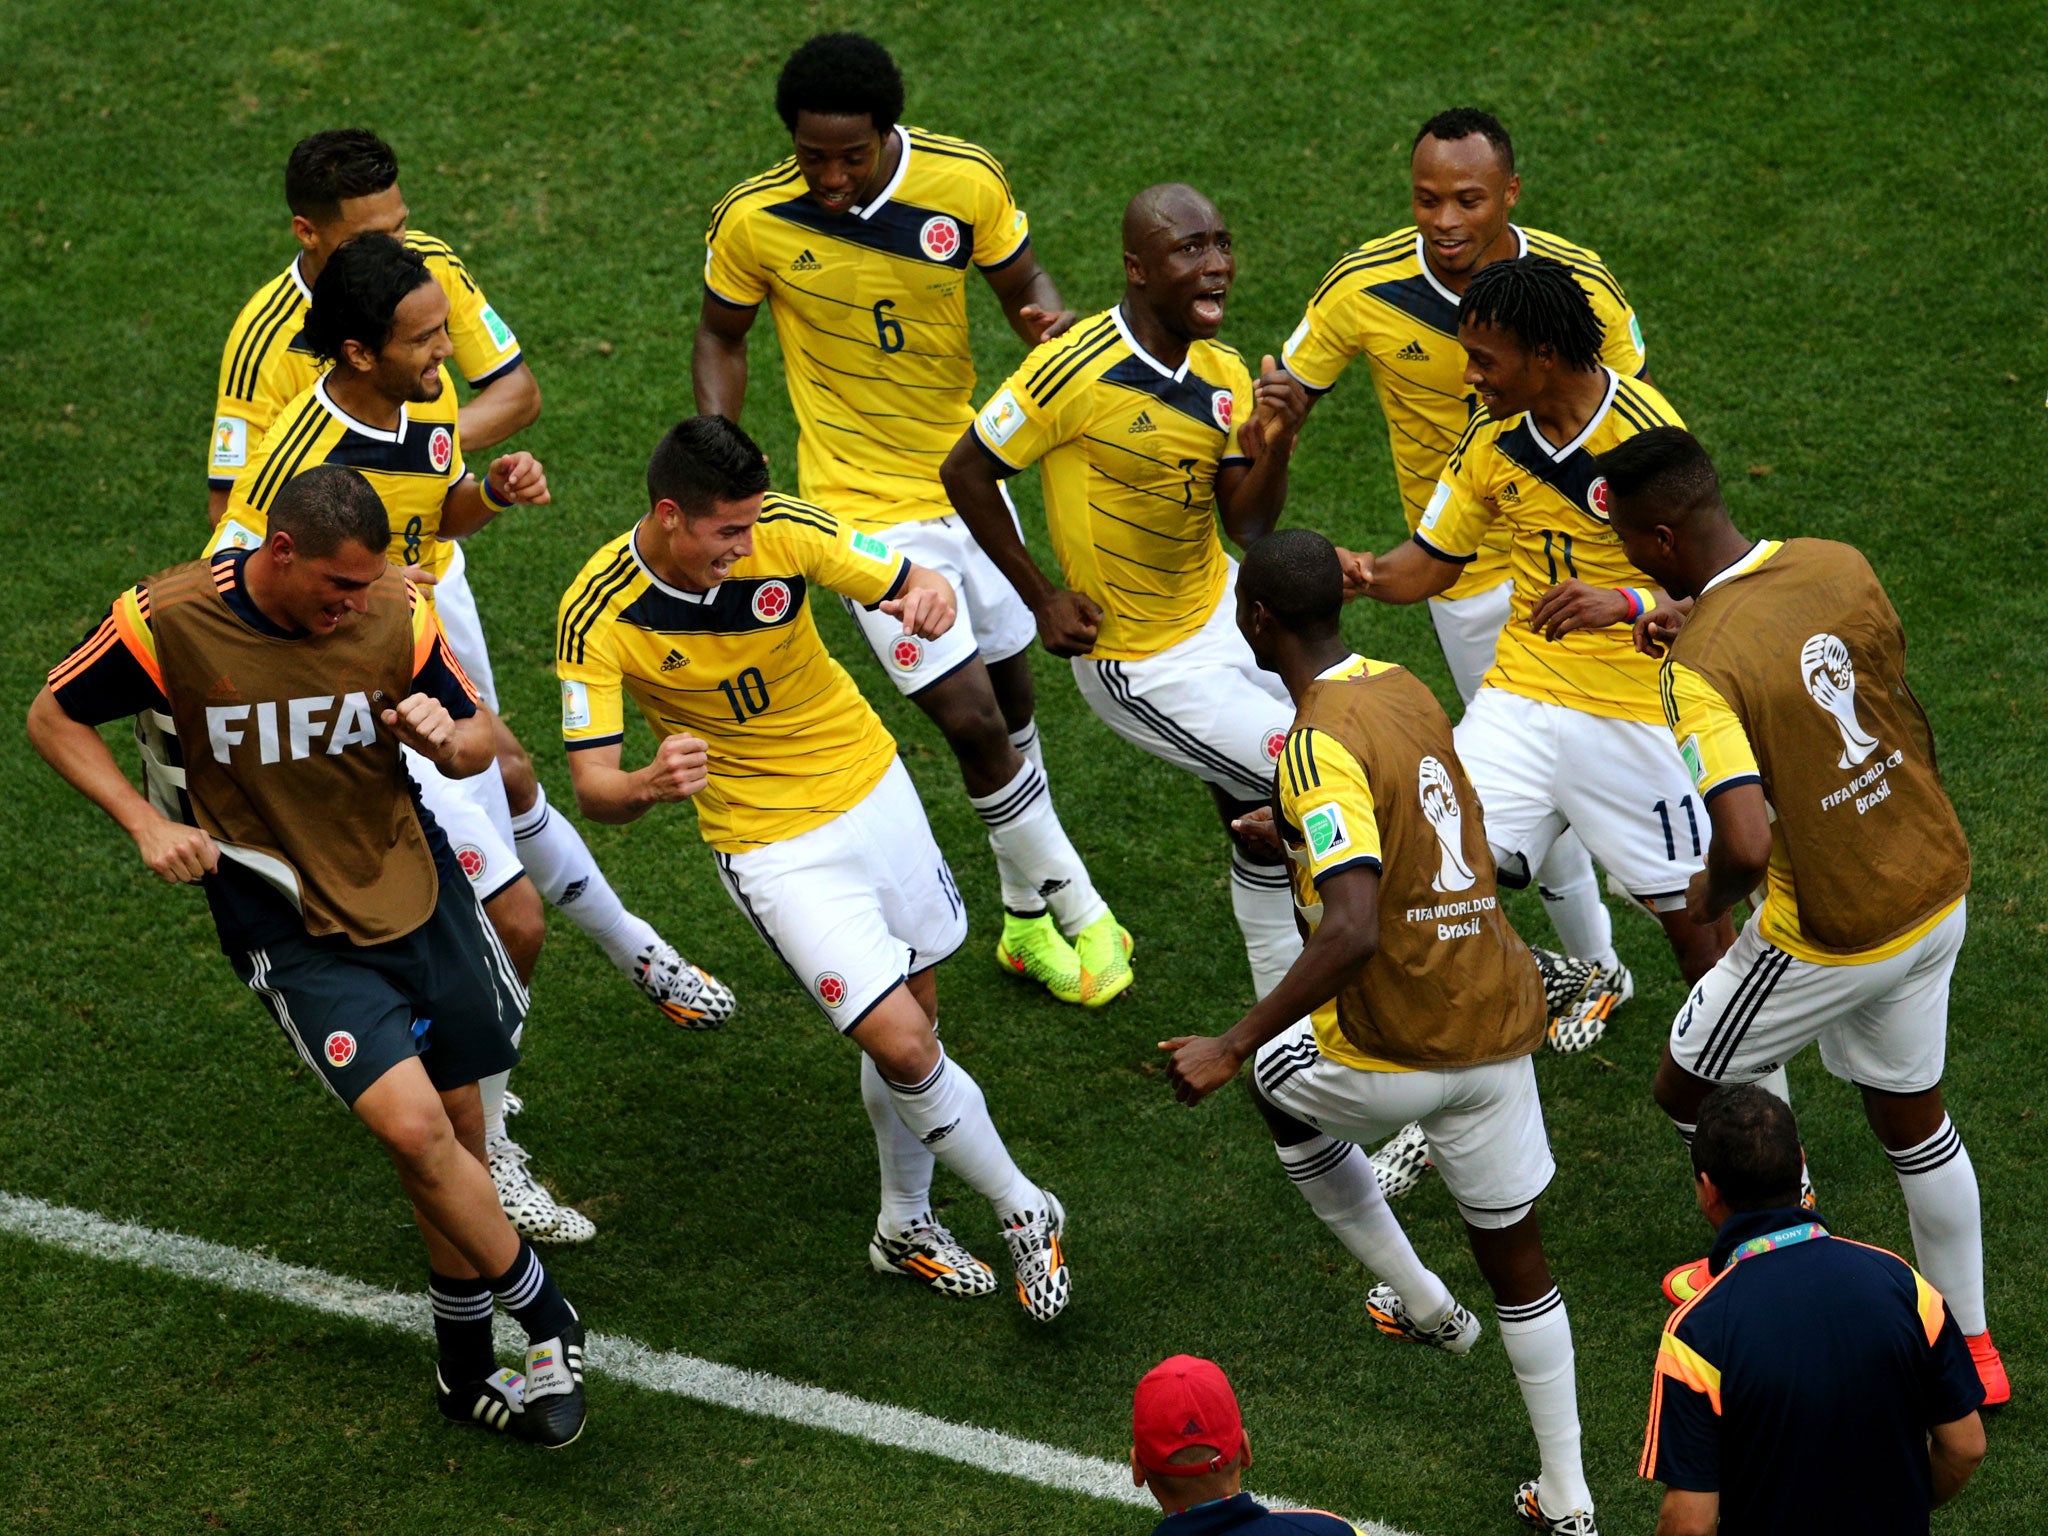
1149	432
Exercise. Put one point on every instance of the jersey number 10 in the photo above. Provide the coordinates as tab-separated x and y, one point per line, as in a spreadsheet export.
747	693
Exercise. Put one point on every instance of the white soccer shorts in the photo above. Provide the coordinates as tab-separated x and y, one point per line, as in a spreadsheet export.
993	623
1620	784
476	819
1485	1124
856	906
455	608
1883	1024
1202	704
1468	629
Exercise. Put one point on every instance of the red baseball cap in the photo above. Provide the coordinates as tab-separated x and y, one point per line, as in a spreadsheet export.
1184	1401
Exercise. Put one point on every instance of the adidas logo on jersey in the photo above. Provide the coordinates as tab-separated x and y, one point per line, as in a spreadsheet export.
673	660
1511	495
1143	423
807	263
1412	353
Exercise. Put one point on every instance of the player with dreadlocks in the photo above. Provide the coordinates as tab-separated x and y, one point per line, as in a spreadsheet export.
1565	731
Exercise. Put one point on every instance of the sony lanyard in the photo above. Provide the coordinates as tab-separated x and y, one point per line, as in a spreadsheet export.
1784	1237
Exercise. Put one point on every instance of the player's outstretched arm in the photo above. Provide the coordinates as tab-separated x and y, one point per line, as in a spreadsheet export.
509	403
1738	856
1067	621
718	358
1250	498
516	480
1030	302
81	758
606	792
1343	941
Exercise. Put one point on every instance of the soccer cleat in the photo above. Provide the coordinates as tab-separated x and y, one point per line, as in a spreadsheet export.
1990	1370
528	1205
1564	979
1104	950
688	997
554	1409
1686	1282
1455	1335
513	1104
492	1403
1530	1512
1402	1162
1583	1019
926	1251
1034	1237
1034	948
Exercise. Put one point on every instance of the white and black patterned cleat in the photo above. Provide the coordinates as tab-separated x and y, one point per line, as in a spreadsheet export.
688	997
1455	1335
533	1212
554	1408
927	1252
1401	1163
513	1104
1043	1285
1579	1020
1530	1512
492	1403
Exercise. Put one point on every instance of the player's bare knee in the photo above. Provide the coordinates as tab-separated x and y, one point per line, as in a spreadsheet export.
522	788
969	719
897	1036
1015	692
1677	1092
417	1134
1508	1248
465	1110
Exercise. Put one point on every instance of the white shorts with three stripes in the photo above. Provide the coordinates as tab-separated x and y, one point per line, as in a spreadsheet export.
1882	1024
1202	704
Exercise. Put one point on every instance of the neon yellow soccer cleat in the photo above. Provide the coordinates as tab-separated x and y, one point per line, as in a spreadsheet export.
1034	948
1104	949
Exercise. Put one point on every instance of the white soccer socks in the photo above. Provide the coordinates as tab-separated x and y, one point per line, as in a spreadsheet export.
947	1113
1263	904
561	864
1946	1215
1538	1339
1571	895
906	1161
1337	1180
1034	857
492	1091
1027	744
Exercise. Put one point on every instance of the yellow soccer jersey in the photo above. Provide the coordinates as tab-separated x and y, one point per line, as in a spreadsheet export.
1329	824
1718	754
412	469
1552	503
267	364
792	742
870	307
1383	301
1130	451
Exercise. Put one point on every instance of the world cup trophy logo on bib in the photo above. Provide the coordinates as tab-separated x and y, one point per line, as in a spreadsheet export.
1831	679
1440	805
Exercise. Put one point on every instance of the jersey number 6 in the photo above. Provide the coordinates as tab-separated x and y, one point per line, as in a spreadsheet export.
888	333
747	693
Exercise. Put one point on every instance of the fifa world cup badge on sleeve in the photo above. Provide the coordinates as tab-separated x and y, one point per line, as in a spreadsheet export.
501	333
867	544
1325	830
1001	418
575	706
230	442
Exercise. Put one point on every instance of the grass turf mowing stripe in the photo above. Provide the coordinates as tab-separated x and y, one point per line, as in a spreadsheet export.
658	1370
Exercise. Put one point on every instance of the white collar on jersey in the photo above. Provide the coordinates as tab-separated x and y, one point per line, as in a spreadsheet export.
1422	258
902	166
1559	455
1116	316
1353	660
377	434
299	278
1741	567
633	544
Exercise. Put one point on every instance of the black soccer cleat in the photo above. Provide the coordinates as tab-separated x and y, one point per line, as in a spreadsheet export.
492	1403
555	1409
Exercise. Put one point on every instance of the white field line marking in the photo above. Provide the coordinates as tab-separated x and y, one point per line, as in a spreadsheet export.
657	1370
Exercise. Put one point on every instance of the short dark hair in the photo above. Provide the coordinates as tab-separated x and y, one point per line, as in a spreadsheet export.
1462	123
332	165
328	506
1666	467
841	74
1294	573
357	294
703	460
1748	1143
1541	303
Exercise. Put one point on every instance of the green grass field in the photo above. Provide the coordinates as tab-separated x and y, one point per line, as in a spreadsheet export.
1832	231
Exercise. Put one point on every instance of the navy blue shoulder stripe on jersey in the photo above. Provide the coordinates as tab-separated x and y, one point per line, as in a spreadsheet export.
896	229
291	450
256	340
1085	336
1191	395
728	610
1077	364
781	175
1572	479
1417	298
599	589
1639	405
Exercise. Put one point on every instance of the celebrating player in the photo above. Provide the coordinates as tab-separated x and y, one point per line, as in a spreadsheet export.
340	184
1413	1000
1564	731
1140	416
1395	300
1786	692
699	613
298	671
860	243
